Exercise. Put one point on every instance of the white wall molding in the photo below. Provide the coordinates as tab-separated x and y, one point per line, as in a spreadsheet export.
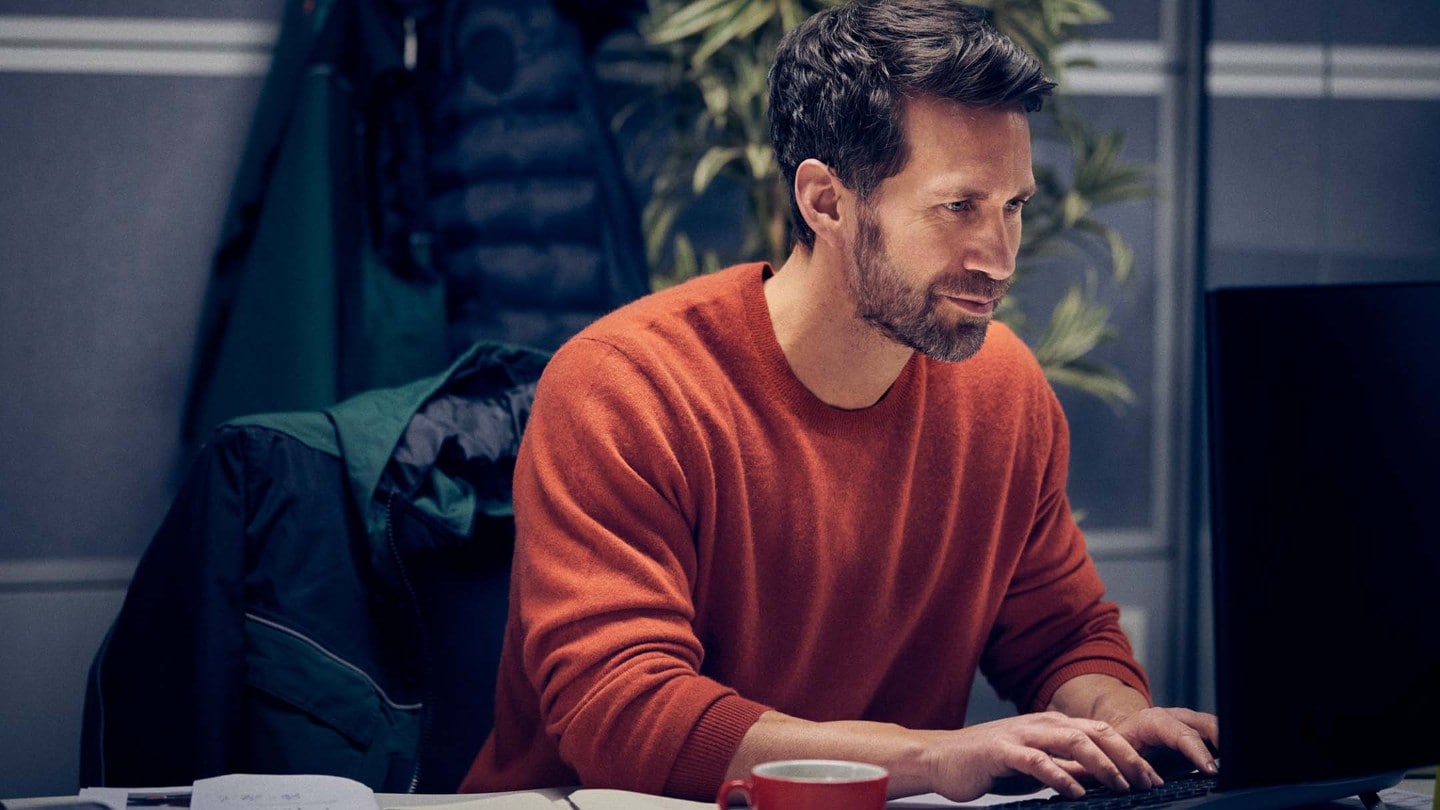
221	47
1120	68
135	46
1125	544
1260	70
81	574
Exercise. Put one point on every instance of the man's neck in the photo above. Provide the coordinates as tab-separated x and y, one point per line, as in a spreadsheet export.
842	360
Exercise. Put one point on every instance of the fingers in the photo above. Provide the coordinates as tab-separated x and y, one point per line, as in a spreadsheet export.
1207	724
1082	747
1061	752
1190	734
1135	768
1044	768
1195	739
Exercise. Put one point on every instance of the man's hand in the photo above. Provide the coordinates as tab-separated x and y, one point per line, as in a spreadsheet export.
1050	747
1161	735
1155	732
1056	749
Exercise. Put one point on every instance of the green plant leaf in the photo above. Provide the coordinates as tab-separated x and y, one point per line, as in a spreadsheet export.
710	165
1073	207
748	18
692	19
1077	324
658	219
791	14
1102	383
761	160
1121	256
685	265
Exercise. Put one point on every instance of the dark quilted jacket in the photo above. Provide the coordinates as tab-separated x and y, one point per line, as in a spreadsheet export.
536	230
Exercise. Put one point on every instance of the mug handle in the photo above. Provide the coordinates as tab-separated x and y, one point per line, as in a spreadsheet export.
722	799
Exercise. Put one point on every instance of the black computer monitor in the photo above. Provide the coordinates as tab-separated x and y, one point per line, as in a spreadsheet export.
1325	485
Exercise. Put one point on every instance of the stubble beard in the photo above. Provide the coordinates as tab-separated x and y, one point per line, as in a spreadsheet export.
908	315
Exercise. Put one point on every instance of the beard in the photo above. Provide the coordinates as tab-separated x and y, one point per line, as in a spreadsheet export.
910	316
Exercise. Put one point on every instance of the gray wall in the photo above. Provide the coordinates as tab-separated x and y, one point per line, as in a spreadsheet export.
121	137
120	142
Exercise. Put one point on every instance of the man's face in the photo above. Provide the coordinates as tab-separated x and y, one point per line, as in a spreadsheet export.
934	248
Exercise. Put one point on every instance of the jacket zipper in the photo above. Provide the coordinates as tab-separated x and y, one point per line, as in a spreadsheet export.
420	632
333	656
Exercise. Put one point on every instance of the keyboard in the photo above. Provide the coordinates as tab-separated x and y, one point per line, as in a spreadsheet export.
1195	790
1181	788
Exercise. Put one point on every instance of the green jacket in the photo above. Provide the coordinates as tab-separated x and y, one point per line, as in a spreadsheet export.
326	595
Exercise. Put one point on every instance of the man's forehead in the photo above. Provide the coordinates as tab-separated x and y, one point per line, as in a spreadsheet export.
962	148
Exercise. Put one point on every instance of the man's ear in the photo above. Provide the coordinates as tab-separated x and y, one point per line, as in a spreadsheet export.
818	193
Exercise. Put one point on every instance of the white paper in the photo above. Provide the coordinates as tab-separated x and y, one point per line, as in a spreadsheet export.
936	801
514	801
602	799
241	791
118	798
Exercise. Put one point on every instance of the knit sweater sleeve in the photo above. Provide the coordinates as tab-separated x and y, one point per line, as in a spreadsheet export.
1054	623
605	566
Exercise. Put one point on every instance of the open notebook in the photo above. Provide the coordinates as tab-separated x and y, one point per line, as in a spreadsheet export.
315	792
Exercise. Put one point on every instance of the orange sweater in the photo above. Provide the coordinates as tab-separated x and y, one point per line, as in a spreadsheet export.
700	539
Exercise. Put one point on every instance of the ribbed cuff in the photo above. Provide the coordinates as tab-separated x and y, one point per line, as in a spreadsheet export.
705	756
1091	666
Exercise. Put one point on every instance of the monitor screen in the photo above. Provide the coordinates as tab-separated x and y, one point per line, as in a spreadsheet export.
1325	520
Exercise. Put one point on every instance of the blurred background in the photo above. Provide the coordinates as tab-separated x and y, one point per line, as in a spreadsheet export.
1284	142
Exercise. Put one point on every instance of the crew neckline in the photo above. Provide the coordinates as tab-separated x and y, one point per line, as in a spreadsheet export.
782	379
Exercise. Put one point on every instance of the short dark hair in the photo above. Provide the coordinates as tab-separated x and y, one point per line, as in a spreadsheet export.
841	78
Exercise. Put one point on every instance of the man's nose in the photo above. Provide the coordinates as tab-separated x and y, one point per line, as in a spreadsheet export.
993	248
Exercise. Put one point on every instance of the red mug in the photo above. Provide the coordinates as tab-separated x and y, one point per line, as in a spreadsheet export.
810	784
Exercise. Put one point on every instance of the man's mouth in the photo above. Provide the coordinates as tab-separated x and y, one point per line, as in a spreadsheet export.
979	307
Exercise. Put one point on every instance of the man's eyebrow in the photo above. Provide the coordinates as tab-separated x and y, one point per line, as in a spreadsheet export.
953	193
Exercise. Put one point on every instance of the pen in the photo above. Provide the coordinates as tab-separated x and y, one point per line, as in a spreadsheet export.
158	800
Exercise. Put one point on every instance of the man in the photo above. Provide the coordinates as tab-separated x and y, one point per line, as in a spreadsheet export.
769	515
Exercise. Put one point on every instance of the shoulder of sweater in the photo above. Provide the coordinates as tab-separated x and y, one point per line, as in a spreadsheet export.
673	315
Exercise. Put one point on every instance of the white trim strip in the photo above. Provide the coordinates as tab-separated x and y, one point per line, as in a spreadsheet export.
1120	68
1092	82
1262	86
133	46
1404	89
1265	59
221	47
132	62
1260	70
66	574
190	33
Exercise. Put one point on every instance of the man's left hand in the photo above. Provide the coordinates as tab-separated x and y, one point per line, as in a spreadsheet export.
1193	735
1167	737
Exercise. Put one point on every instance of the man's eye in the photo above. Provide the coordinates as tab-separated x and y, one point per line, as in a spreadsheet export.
1017	205
961	205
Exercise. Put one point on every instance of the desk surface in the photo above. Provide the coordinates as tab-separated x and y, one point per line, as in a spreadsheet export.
1413	787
